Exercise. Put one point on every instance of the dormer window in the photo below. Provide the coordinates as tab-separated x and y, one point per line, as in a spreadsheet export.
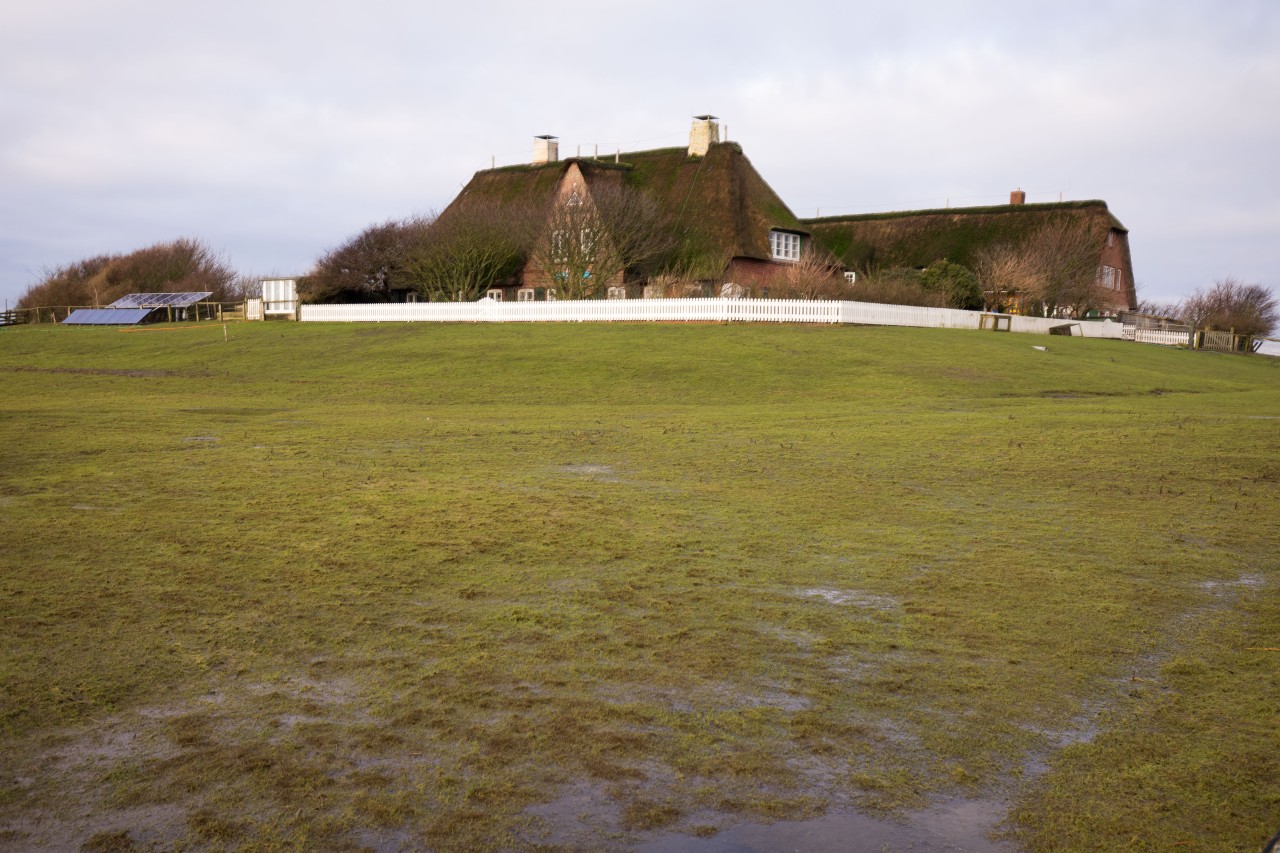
784	246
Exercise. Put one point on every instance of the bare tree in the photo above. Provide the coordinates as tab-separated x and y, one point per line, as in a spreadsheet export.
1249	309
1156	308
1066	254
1053	272
472	248
370	266
77	283
1007	275
596	237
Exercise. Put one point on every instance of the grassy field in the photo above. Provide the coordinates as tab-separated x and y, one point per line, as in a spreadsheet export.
572	587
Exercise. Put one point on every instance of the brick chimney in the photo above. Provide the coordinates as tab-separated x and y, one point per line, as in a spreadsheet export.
704	134
545	150
1017	197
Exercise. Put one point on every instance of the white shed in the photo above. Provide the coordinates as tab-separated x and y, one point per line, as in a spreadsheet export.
280	296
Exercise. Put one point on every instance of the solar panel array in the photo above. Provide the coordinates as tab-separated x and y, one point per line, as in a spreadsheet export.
159	300
107	316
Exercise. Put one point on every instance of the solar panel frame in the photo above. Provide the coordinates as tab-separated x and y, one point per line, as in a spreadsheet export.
160	300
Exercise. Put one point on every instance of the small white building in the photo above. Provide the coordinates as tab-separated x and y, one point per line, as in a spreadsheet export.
280	297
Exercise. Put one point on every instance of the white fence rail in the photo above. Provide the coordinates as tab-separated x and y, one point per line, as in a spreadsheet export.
684	310
584	311
1168	339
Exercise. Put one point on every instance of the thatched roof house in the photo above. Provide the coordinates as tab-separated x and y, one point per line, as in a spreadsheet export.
917	238
724	221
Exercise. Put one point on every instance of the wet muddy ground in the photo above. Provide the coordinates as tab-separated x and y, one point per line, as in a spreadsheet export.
585	816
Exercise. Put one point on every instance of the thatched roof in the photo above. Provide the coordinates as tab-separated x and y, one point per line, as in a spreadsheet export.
917	238
719	205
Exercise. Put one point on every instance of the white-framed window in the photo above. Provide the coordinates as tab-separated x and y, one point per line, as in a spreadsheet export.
617	293
784	245
559	251
524	294
551	294
1111	239
411	296
587	240
495	294
851	276
1108	277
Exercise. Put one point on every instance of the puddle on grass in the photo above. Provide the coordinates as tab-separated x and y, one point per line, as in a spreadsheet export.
201	438
602	472
959	824
1250	581
1084	729
953	825
581	813
851	597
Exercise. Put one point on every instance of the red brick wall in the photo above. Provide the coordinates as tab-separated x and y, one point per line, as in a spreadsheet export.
1116	255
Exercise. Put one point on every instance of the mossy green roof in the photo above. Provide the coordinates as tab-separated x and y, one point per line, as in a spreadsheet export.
513	184
718	204
917	238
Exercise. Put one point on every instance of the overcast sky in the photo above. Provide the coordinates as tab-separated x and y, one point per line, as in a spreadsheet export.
273	130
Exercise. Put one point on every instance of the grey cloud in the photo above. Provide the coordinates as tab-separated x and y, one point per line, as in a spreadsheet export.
275	130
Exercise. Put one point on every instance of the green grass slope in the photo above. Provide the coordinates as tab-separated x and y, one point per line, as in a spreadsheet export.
457	586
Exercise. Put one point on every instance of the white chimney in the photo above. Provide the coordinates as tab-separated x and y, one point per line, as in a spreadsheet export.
704	134
545	150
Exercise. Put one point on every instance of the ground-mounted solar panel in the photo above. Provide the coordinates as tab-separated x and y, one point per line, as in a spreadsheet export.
107	316
160	300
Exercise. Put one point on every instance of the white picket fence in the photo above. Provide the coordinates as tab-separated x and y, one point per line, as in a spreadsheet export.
584	311
1154	336
683	310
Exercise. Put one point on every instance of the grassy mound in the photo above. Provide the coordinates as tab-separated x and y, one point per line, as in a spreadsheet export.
502	586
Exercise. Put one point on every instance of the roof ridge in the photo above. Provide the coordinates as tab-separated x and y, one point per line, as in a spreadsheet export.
606	159
992	208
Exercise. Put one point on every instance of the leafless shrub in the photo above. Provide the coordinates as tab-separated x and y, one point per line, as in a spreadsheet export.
674	285
897	286
814	276
178	265
1160	309
471	249
370	266
1054	272
1249	309
1008	276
